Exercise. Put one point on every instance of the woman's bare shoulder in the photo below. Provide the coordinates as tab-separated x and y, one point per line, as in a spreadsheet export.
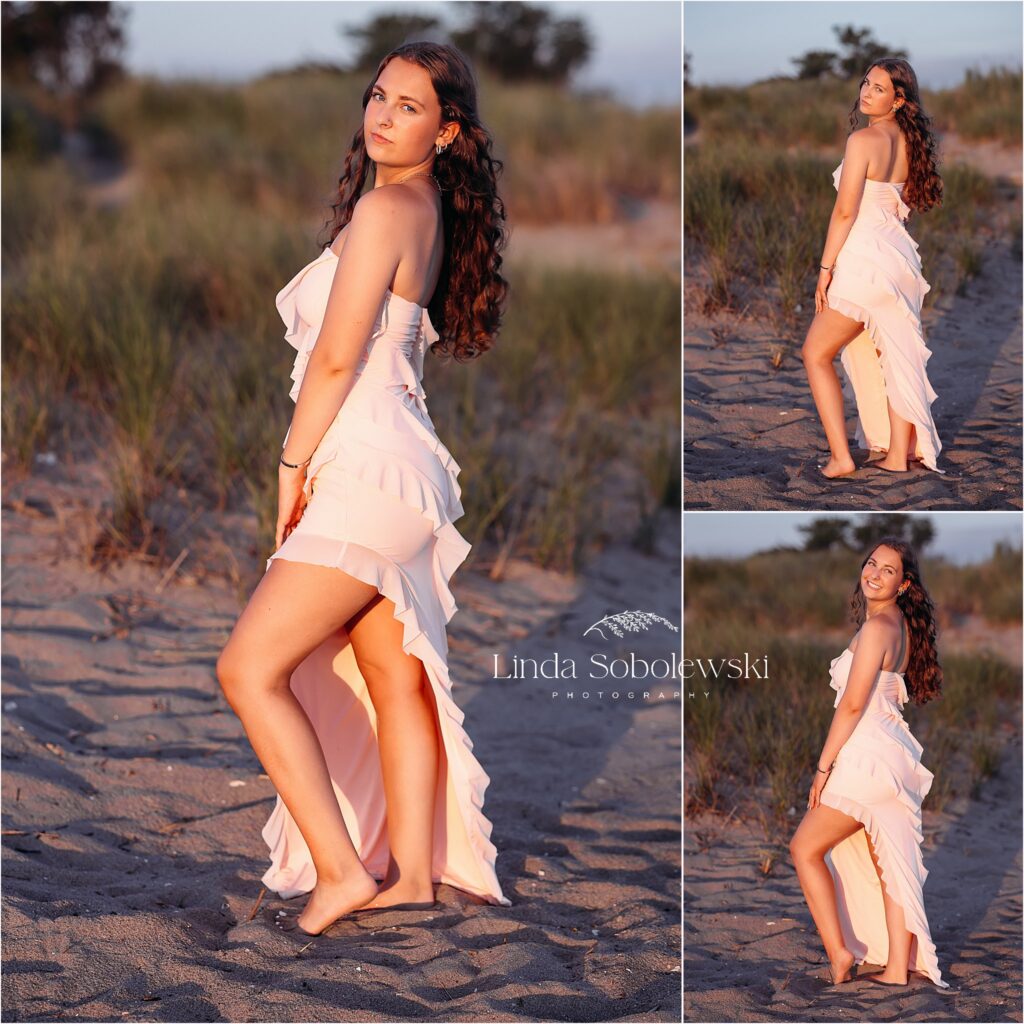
878	631
394	207
867	140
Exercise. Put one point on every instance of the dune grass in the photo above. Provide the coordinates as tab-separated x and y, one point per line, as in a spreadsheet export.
755	220
278	142
153	321
751	742
786	112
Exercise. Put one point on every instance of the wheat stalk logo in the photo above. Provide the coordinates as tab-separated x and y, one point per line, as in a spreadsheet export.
628	622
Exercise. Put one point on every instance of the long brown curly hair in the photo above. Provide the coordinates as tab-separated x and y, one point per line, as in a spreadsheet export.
923	675
467	305
923	188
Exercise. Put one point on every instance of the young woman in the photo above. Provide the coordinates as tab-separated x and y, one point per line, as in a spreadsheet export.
338	665
857	851
870	287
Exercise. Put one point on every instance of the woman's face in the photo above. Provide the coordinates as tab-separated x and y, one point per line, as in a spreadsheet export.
877	94
402	120
882	574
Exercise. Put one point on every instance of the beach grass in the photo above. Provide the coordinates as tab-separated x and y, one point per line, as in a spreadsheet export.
756	219
751	741
152	319
785	112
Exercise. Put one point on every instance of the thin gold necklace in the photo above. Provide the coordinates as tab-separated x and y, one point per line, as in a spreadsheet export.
428	174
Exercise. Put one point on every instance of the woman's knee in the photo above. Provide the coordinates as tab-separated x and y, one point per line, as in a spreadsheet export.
239	676
812	354
394	683
230	673
796	848
802	849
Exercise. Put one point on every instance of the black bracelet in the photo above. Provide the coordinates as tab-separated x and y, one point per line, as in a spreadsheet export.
297	465
830	767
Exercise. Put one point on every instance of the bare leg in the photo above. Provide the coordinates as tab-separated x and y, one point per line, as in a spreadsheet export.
295	607
410	748
901	432
820	830
898	965
828	334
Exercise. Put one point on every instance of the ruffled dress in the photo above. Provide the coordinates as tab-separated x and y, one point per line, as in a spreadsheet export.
878	281
879	780
383	498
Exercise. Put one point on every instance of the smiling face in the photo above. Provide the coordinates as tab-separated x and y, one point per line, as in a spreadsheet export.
877	94
402	120
882	574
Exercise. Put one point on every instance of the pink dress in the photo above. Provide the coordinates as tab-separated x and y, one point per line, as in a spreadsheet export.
878	281
383	499
879	780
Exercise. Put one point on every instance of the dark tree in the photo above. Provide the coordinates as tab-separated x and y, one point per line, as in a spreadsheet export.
914	529
383	33
72	50
826	534
861	50
520	42
816	64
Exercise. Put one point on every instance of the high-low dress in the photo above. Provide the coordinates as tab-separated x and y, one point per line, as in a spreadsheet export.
383	497
878	281
878	779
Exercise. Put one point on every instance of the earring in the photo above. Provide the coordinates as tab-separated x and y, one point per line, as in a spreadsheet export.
903	588
440	149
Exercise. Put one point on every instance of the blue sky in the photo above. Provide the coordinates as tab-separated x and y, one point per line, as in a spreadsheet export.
636	52
740	42
961	537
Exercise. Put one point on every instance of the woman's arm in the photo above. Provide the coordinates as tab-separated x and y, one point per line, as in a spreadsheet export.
851	189
875	638
366	267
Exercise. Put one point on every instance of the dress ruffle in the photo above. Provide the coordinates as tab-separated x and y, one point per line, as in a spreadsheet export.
383	438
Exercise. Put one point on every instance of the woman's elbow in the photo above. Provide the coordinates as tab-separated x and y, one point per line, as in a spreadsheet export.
333	361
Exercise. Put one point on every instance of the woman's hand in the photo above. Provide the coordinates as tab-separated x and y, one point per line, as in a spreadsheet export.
814	797
821	291
291	501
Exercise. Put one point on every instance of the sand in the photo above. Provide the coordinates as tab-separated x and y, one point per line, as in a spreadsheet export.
133	804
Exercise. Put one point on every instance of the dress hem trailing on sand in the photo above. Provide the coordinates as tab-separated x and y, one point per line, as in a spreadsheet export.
879	780
878	282
381	448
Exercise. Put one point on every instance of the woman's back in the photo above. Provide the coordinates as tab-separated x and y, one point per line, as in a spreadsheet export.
889	161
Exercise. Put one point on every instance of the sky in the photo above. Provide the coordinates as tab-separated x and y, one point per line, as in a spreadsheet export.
941	37
960	537
636	45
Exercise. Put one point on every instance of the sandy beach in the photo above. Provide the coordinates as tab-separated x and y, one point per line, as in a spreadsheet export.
133	803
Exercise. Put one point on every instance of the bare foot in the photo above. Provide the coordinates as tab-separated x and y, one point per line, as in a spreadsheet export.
842	967
838	467
890	977
401	892
331	900
893	465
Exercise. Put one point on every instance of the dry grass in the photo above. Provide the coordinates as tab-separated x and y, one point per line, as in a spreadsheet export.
153	321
